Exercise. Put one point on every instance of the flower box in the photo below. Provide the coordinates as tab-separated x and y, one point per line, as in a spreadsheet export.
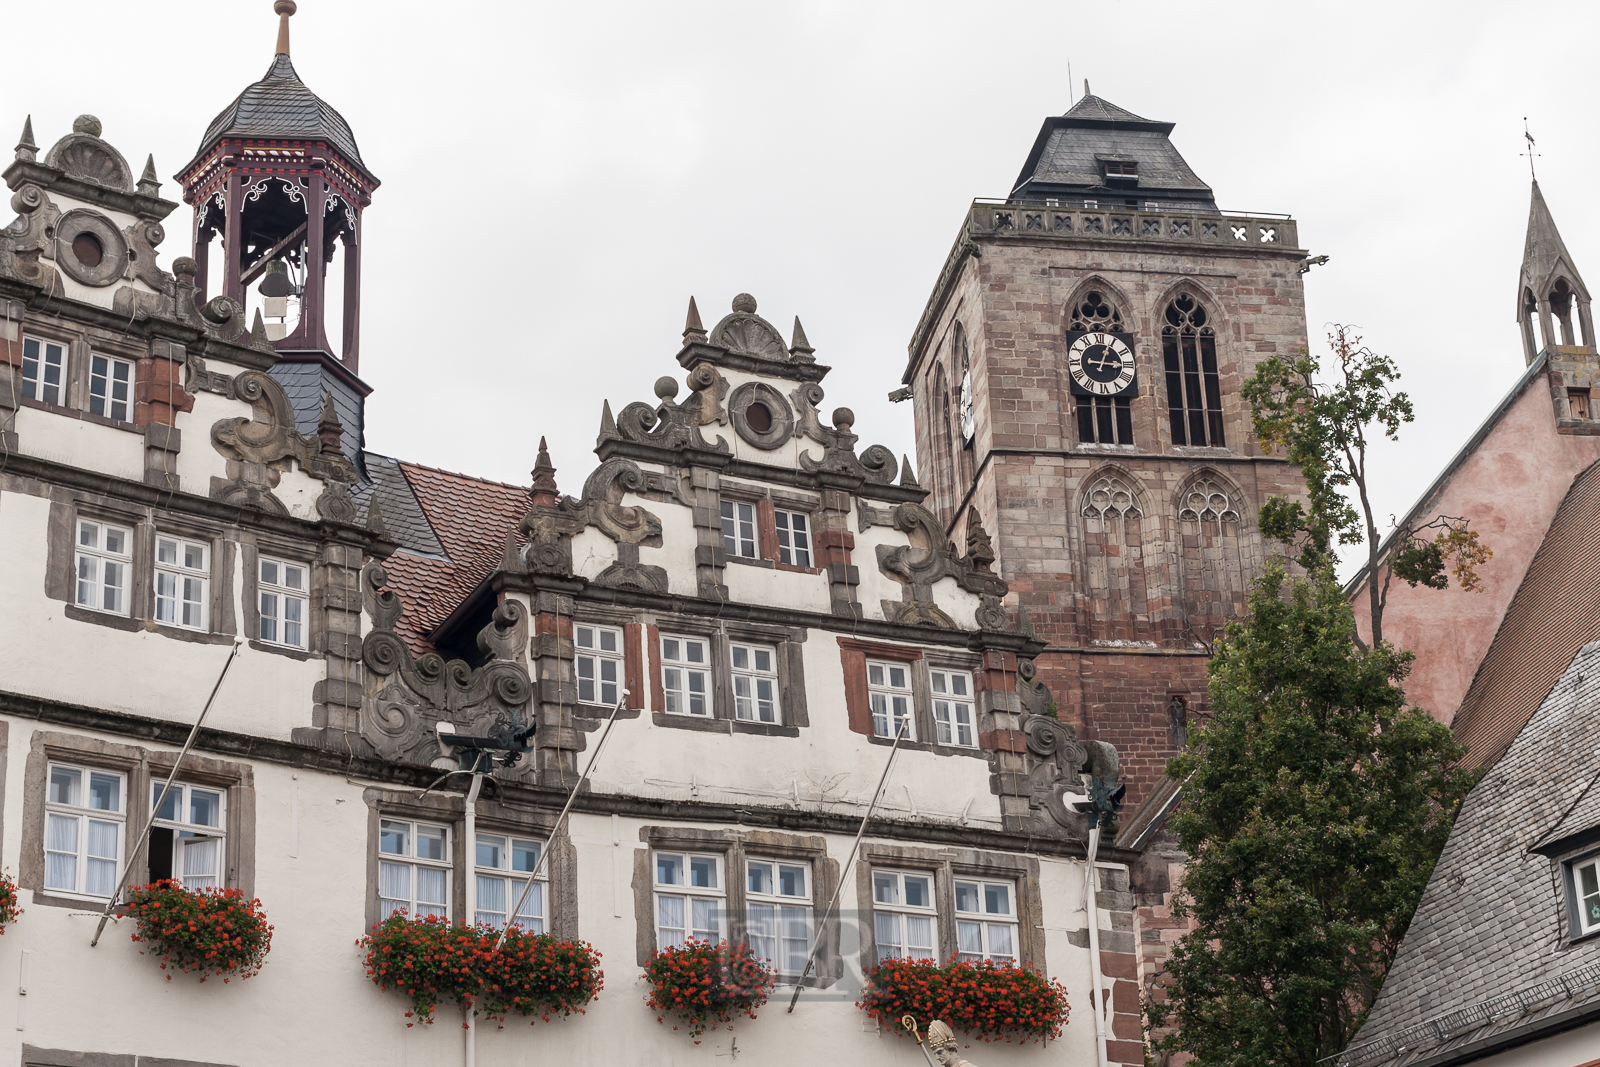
214	932
704	985
990	1001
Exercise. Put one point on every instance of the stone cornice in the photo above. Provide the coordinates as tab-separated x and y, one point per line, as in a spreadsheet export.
45	177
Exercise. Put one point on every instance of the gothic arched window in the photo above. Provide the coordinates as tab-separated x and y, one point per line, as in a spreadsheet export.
1102	420
1194	395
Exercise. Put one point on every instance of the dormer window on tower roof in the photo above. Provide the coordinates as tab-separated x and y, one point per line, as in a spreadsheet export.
1119	170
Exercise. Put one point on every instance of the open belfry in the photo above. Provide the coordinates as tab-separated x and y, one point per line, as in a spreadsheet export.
1076	378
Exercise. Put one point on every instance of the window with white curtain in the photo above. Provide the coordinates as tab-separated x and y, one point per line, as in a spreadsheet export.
755	683
497	861
986	920
599	664
889	690
183	577
283	590
778	913
690	898
952	708
85	811
188	839
739	529
904	920
686	675
413	869
104	554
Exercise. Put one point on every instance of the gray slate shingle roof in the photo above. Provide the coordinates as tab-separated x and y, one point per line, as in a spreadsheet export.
1066	156
403	519
280	105
1492	920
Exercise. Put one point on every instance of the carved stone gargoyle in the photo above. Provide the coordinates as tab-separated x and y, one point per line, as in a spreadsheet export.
406	695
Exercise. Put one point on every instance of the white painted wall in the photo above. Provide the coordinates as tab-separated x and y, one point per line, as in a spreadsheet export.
80	443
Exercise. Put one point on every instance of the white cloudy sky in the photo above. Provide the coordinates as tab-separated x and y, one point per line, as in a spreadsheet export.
558	178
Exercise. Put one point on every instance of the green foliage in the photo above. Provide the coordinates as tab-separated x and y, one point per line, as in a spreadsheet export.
1315	806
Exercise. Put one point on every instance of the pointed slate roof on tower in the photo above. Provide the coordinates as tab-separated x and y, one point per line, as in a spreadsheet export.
1544	255
280	105
1069	159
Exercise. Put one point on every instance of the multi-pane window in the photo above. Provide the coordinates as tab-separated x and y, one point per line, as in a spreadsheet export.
110	387
85	810
903	916
778	913
599	664
497	893
794	537
104	553
986	921
186	842
739	529
952	708
284	606
1586	879
1194	394
44	370
689	898
183	575
413	869
889	691
755	683
686	675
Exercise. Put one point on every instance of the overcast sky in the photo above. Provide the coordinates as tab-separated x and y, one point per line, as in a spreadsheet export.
559	178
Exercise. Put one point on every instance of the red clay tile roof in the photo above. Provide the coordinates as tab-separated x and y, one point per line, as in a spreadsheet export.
1555	612
470	516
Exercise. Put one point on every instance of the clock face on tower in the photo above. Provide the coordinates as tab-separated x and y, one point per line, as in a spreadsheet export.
969	423
1101	364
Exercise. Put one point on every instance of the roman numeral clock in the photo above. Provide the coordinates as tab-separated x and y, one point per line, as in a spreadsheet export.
1101	363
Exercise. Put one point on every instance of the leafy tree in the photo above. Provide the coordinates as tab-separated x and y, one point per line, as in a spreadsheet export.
1326	429
1315	805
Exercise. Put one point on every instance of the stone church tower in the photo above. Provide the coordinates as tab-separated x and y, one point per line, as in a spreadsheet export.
1076	378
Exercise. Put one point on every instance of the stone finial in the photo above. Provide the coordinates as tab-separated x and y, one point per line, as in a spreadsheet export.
1024	624
329	429
693	329
149	184
87	124
543	490
908	477
258	333
799	348
745	304
843	419
608	425
375	522
284	9
980	548
27	151
186	269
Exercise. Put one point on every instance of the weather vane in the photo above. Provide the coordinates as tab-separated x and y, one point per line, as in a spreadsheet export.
1530	153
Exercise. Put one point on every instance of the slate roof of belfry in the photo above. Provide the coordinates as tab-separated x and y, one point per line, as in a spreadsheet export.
451	529
1485	963
280	105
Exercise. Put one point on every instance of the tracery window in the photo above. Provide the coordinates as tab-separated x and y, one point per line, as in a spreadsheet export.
1110	498
1206	501
1102	420
1194	394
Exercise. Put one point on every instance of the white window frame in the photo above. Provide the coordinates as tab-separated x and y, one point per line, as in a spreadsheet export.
187	834
772	911
182	588
1586	899
955	718
494	870
408	859
592	662
898	913
59	811
105	384
679	673
279	595
685	896
36	386
794	537
94	566
980	932
891	702
750	681
739	529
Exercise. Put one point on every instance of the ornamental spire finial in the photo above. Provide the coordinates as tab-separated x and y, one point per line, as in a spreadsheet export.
284	8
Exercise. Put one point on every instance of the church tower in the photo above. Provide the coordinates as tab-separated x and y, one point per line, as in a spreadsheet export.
1076	378
279	179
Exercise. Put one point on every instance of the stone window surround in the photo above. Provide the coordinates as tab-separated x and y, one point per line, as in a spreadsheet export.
33	1056
735	846
946	865
560	870
66	509
633	659
145	768
854	653
76	384
785	641
252	546
768	499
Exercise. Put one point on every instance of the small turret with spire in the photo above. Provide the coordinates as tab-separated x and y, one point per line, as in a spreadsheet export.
1550	291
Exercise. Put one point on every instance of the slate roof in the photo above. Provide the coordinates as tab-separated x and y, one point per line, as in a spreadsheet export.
467	518
280	105
305	384
1066	157
1555	612
1484	964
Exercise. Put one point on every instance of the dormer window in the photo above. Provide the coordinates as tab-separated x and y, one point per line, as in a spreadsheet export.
1584	888
1120	171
